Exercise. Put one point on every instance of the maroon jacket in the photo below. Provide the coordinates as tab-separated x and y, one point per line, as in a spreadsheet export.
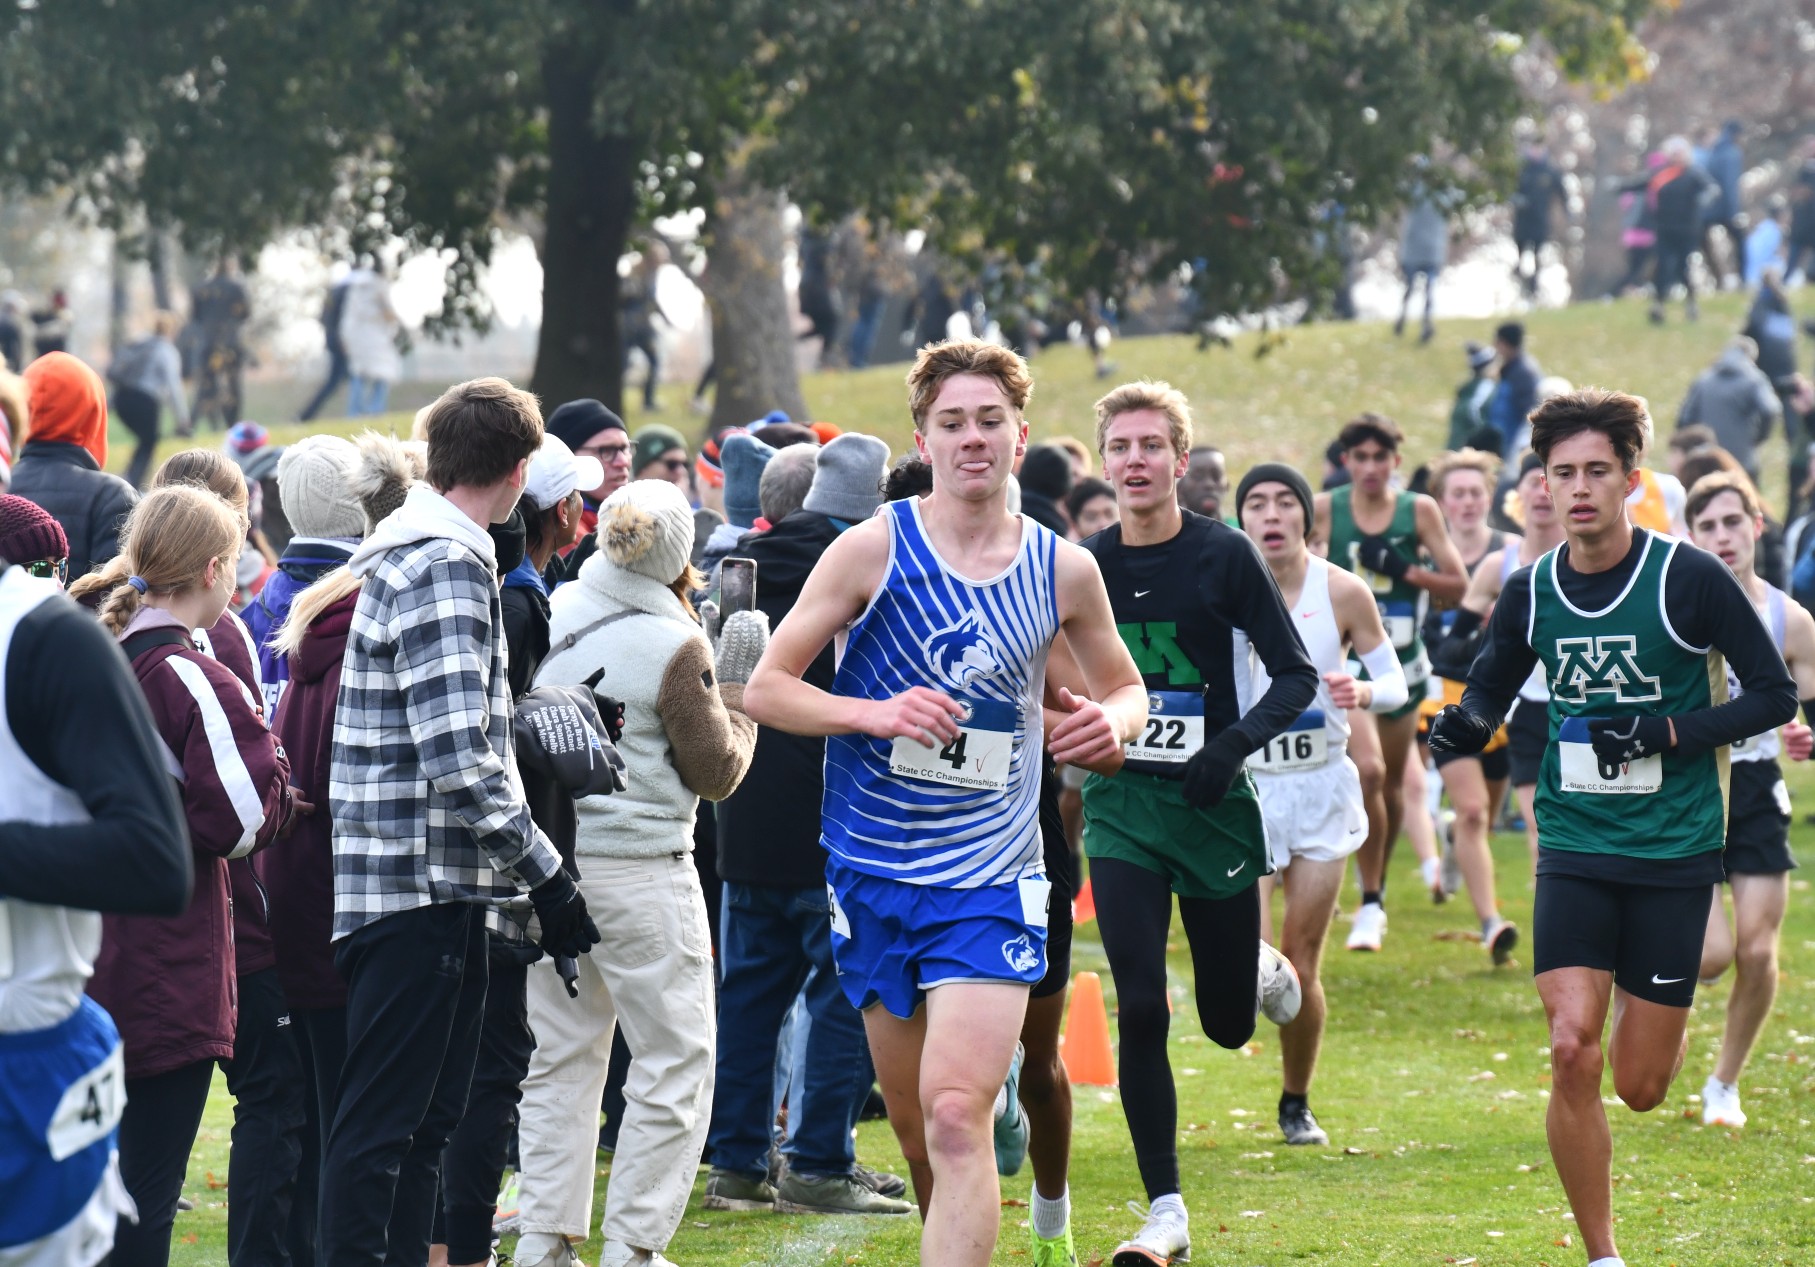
299	870
230	642
169	983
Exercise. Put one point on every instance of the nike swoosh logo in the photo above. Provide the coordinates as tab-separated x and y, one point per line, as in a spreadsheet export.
1657	980
1308	615
1142	593
1237	867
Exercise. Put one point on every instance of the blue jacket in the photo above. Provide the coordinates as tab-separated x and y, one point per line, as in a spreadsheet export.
1516	397
306	560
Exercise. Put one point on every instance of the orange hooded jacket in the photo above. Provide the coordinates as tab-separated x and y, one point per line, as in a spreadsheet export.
68	403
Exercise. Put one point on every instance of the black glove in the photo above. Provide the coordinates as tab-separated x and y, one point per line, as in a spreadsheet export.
560	734
610	710
1376	555
1455	730
1622	739
1213	768
566	927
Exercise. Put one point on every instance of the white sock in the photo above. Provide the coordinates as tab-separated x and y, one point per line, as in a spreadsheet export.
1001	1106
1608	1262
1049	1217
1172	1202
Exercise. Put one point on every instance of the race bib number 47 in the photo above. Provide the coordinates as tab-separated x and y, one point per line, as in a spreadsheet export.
979	757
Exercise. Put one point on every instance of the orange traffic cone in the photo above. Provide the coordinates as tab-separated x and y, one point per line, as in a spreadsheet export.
1085	1049
1084	905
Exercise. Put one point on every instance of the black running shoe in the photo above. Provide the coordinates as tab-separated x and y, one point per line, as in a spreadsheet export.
1299	1125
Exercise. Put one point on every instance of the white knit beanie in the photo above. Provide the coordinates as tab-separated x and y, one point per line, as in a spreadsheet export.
315	480
647	527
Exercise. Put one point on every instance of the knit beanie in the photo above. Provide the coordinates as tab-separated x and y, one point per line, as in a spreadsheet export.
244	439
847	482
1277	473
780	435
387	467
28	533
710	465
744	458
651	442
646	527
578	421
315	484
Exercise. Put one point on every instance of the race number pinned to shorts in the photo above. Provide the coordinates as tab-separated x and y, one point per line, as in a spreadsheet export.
1400	616
840	924
978	758
1580	770
1303	746
89	1108
1036	895
1175	728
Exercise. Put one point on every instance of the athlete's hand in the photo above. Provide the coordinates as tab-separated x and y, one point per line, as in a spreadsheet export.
1460	732
1376	555
1798	741
1624	739
1213	768
1346	692
1086	737
919	713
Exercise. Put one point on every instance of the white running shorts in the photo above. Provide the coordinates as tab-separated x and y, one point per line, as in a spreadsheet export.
1315	814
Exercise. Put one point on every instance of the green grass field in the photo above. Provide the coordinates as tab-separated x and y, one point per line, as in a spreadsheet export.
1432	1087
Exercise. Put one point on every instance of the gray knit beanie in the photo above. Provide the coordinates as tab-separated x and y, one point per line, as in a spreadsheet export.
646	527
315	482
847	481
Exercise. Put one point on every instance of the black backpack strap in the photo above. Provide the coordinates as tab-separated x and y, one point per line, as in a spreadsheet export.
140	643
571	640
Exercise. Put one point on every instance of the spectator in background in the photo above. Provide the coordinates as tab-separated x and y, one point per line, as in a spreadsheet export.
147	374
1470	412
1092	507
1680	192
1423	251
1540	187
50	325
660	453
12	330
368	330
1517	394
638	313
331	309
1638	227
1205	482
60	465
1726	163
15	423
1766	243
1733	399
591	430
219	309
1802	216
32	541
1083	462
1045	480
550	507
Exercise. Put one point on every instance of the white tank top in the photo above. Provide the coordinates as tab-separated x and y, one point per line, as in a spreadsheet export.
1534	689
47	953
1317	629
1765	747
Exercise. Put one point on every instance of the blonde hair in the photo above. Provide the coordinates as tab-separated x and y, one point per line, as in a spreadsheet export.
689	582
1079	451
308	605
1147	394
1487	465
167	542
207	469
165	324
939	361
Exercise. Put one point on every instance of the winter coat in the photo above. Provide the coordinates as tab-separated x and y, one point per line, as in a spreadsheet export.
768	830
1735	400
1424	245
1772	326
1680	196
1726	164
169	983
368	328
306	560
299	870
91	504
686	735
1515	398
524	594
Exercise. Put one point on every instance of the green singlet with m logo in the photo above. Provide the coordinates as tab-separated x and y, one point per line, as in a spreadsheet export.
1401	603
1624	661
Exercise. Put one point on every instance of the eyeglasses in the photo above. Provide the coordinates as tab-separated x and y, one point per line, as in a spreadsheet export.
48	568
606	452
677	465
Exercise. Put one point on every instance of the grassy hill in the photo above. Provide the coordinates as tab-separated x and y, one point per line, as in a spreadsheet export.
1287	404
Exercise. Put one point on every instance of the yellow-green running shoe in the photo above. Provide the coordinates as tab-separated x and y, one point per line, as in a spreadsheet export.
1057	1251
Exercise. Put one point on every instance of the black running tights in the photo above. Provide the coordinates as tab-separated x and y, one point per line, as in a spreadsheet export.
1134	916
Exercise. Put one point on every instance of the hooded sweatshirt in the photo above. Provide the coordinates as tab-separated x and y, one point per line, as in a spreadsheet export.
427	804
1734	399
60	466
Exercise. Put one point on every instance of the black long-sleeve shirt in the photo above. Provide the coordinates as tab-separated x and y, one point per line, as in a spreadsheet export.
75	709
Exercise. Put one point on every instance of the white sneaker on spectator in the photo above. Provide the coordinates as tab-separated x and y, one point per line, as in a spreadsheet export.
546	1249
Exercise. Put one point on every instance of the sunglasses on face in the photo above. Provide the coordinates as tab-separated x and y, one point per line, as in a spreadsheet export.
606	452
47	568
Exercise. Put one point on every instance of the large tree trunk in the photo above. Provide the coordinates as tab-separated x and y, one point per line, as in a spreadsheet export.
579	351
752	330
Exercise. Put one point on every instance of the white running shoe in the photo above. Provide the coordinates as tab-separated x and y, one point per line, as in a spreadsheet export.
545	1249
1431	871
1164	1238
1277	996
1720	1104
1500	938
1369	929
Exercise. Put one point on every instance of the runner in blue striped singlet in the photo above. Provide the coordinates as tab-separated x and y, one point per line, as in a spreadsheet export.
948	606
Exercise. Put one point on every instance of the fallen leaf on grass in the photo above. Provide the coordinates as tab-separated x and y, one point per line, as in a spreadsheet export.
1016	1202
1564	1241
189	1239
1456	934
215	1184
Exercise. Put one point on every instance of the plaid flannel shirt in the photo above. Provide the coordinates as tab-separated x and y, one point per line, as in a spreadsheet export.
427	802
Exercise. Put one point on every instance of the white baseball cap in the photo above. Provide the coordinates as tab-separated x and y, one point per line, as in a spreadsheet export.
554	473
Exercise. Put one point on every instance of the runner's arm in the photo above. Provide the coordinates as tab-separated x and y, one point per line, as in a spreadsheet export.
1506	658
1451	656
1087	625
1064	678
1707	607
1358	618
1449	579
834	596
1261	613
1799	655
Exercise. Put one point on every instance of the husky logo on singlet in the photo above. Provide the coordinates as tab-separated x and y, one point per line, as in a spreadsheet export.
983	643
962	653
1020	953
1606	666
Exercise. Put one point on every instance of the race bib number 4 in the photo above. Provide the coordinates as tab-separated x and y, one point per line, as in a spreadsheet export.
1303	746
1581	771
1175	728
979	757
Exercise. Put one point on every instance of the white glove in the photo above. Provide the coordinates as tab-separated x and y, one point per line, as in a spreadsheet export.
741	643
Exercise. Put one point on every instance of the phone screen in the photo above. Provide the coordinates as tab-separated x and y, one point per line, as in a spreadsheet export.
737	586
